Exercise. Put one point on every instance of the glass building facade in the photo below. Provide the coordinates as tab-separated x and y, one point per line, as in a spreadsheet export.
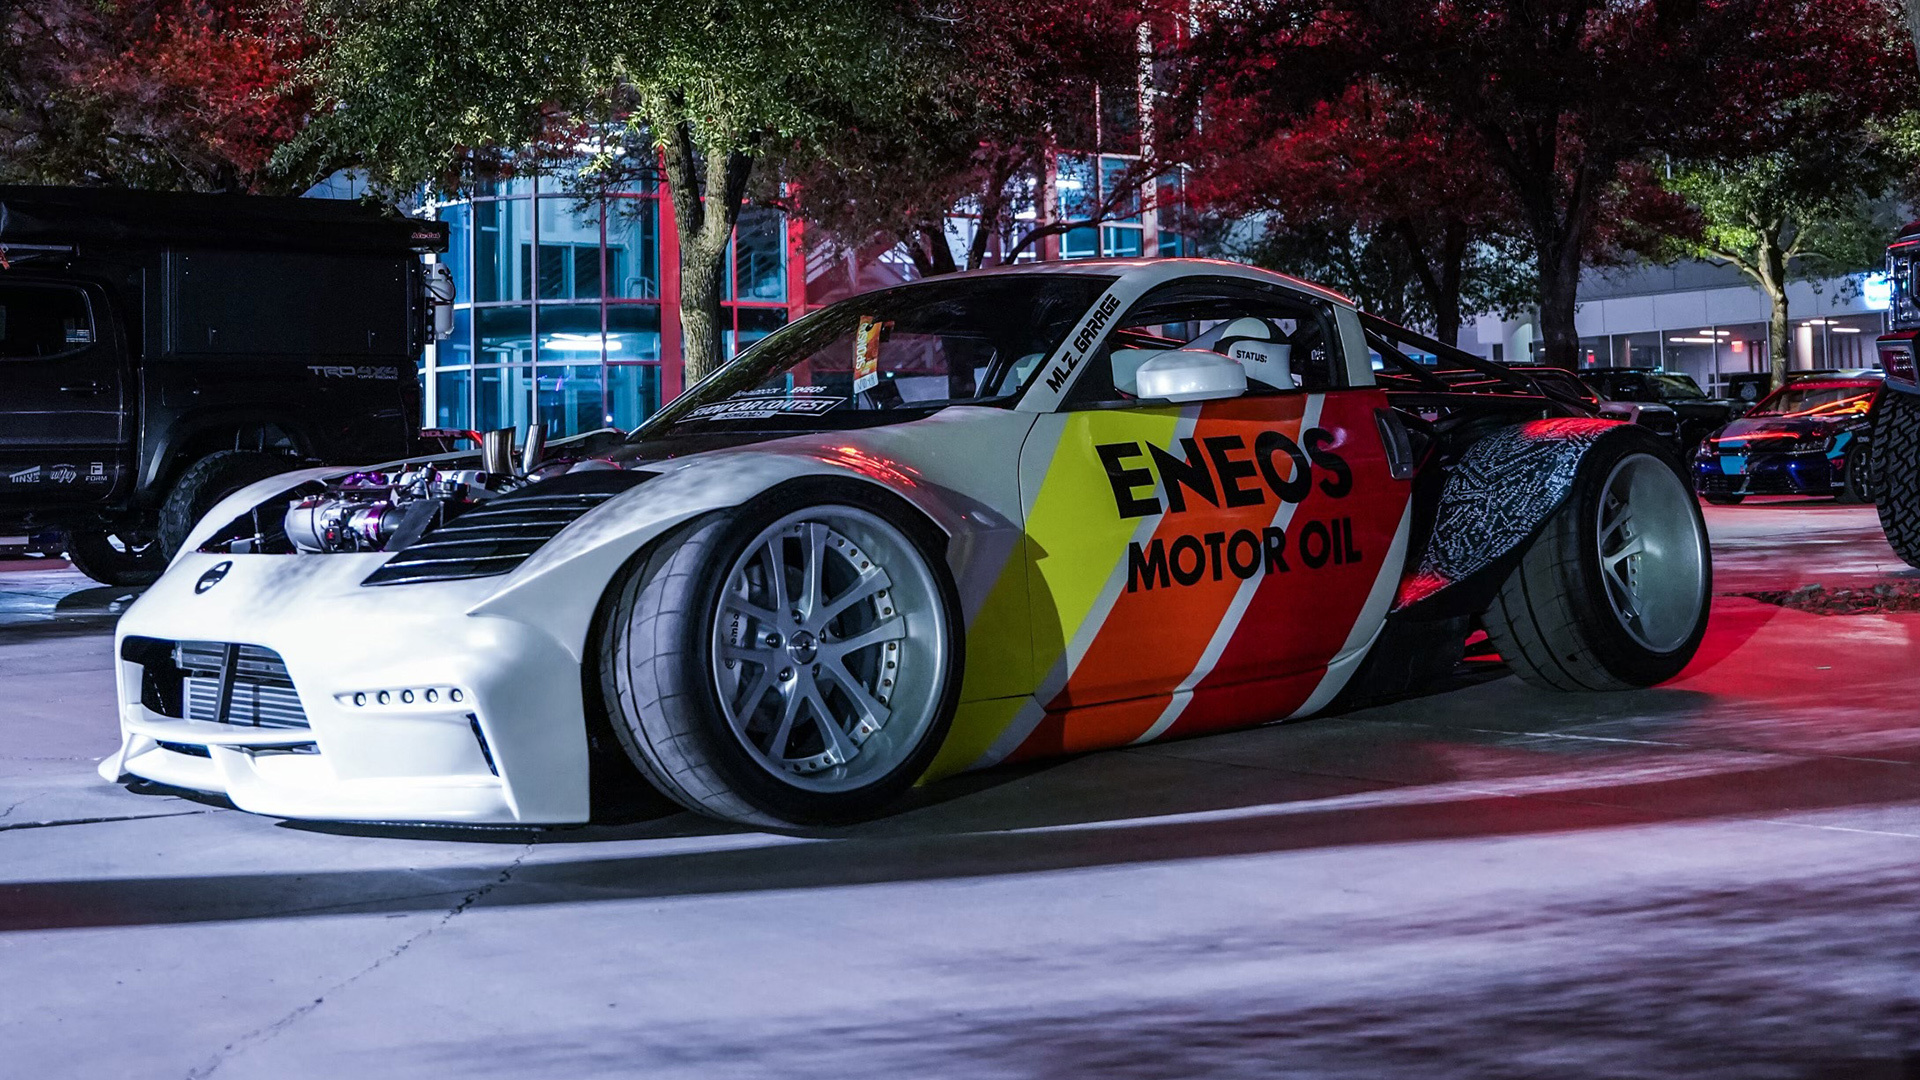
566	305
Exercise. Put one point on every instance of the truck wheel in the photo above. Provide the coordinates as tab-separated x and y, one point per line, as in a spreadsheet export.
112	558
1613	594
205	483
1896	447
795	662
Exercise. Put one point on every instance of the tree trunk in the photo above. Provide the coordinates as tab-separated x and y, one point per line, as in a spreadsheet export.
1773	281
1559	299
700	342
1441	283
706	206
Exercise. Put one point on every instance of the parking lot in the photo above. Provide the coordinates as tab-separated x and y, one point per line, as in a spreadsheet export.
1714	878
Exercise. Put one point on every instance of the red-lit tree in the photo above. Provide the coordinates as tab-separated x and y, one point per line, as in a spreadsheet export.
1561	95
1371	193
1019	79
189	94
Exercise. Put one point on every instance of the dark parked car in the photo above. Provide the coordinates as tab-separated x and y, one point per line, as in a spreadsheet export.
1810	437
1659	419
159	351
1699	415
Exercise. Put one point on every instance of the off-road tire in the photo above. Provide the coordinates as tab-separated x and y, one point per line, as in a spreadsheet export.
1896	481
1552	621
206	482
655	668
1725	500
138	561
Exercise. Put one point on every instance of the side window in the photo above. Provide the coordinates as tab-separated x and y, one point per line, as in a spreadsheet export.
1288	343
41	321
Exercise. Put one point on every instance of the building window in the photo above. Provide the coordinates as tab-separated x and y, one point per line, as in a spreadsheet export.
555	291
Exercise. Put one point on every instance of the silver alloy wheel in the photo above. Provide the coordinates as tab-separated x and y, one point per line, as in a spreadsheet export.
830	648
1652	553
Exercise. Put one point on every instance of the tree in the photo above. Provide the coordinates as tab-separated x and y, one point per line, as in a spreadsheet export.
1371	193
171	94
1802	211
428	90
1563	94
1012	76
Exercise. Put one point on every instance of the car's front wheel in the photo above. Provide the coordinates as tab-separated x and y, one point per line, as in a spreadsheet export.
795	662
1726	500
1613	594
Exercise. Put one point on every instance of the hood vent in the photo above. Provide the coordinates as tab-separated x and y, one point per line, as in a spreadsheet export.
498	535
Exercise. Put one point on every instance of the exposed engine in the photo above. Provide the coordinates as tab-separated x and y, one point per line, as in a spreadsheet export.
380	511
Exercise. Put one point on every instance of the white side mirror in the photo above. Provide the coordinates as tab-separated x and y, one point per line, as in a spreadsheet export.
1191	375
440	295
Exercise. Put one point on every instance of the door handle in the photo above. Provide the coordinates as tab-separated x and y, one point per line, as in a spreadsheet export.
85	389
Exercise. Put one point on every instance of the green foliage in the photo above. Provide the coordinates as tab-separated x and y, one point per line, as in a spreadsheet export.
437	91
1380	270
1782	217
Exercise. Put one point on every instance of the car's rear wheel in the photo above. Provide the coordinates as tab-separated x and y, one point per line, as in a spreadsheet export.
794	662
117	558
1896	484
1726	500
1613	594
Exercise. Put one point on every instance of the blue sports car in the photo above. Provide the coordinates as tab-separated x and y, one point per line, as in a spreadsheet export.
1810	437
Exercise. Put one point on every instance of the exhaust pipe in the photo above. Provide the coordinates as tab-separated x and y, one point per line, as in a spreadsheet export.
496	452
536	444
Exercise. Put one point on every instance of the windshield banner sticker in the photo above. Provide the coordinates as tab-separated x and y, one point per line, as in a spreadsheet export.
866	353
764	404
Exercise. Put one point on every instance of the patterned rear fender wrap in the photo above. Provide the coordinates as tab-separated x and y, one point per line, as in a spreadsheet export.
1500	494
1193	568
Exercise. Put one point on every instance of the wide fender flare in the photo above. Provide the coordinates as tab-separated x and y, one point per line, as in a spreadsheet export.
560	586
1498	497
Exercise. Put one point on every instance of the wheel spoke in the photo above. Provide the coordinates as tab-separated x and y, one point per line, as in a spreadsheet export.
873	581
813	543
776	553
1622	517
783	734
743	707
873	715
890	630
834	739
736	602
751	654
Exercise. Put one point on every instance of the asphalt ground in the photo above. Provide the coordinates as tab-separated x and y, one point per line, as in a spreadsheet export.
1714	878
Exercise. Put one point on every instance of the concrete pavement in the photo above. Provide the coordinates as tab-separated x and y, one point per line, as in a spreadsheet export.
1716	877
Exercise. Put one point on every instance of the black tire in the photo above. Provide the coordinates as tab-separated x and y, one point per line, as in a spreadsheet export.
114	559
1725	500
1554	620
1896	483
206	482
1858	486
657	673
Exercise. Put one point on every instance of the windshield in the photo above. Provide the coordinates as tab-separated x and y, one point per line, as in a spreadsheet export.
1818	401
1675	387
890	355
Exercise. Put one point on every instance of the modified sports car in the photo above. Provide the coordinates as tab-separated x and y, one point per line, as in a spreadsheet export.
980	518
1810	437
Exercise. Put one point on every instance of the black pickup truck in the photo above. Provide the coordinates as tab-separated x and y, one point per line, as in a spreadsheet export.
159	351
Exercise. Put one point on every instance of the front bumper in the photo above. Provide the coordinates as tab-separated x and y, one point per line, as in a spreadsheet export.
1810	472
501	742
